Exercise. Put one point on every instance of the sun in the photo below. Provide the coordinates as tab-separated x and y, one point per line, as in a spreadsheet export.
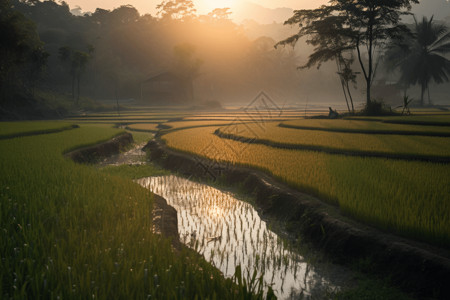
209	5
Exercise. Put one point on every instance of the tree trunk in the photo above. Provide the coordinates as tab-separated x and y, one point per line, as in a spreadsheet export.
351	98
343	83
345	95
367	76
422	95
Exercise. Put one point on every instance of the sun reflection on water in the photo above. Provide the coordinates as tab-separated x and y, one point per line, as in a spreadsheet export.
229	232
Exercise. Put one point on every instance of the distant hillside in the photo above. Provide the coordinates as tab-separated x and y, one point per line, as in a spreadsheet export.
263	15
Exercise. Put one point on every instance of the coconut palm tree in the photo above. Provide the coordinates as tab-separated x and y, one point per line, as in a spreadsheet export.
421	56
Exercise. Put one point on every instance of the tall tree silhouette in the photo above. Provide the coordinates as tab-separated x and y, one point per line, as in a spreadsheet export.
20	47
350	25
76	61
421	56
176	9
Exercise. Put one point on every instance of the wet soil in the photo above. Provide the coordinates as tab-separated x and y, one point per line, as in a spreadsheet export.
165	220
93	154
134	156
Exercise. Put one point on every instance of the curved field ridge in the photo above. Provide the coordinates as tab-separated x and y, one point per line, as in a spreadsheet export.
94	153
424	120
9	130
143	127
425	148
377	129
406	197
331	150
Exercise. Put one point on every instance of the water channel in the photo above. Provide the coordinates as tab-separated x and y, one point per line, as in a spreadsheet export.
229	232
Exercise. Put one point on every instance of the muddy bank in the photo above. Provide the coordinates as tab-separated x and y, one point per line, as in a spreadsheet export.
415	267
165	221
93	154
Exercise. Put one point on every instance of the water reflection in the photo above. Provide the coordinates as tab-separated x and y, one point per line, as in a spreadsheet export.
229	232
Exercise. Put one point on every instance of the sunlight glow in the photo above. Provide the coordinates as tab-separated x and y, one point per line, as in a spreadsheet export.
210	5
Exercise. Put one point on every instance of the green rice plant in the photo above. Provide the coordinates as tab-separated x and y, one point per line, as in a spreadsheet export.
140	138
405	197
134	171
17	129
69	231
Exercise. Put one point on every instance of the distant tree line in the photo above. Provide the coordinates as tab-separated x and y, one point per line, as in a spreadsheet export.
108	53
22	55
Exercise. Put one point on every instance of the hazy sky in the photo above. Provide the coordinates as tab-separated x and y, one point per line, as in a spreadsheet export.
439	8
148	6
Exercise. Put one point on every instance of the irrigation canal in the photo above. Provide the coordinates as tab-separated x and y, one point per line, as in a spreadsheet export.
229	232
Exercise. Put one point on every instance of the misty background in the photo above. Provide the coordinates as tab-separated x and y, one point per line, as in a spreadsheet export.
229	54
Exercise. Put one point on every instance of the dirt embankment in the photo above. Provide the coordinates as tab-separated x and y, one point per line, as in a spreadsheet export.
165	221
164	216
93	154
415	267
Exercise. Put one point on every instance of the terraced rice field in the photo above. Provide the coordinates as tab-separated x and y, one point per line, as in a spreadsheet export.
441	119
407	197
192	124
359	126
152	127
271	133
69	231
15	129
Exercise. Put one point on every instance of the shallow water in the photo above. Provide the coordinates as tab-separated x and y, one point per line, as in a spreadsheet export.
134	156
229	232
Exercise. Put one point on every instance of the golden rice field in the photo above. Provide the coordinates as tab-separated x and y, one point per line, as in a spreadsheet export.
191	124
359	125
425	119
144	127
407	197
373	143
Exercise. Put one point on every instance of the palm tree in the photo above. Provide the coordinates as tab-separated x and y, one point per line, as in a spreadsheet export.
421	56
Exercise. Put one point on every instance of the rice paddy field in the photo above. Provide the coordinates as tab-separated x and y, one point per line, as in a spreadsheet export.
69	231
377	127
72	231
15	129
343	141
408	197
